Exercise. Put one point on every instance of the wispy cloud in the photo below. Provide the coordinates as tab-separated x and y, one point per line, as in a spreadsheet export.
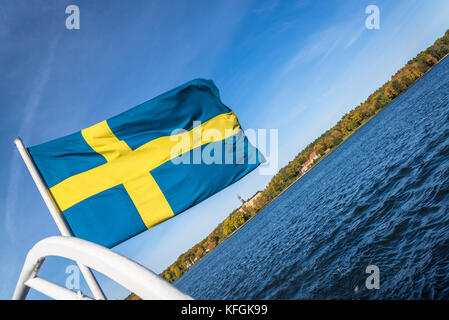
355	37
25	129
266	8
317	47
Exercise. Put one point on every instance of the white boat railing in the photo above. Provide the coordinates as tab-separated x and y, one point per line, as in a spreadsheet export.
56	215
129	274
124	271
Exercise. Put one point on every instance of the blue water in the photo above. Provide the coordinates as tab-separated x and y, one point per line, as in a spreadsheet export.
381	198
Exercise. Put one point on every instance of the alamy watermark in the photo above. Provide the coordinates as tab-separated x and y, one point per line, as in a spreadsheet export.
72	22
228	147
373	280
373	19
72	281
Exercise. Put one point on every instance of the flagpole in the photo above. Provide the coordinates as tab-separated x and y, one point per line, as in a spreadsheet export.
57	215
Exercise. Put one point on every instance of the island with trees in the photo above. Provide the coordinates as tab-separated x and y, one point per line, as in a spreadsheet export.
317	150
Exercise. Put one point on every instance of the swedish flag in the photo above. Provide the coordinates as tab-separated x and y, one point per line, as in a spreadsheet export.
129	173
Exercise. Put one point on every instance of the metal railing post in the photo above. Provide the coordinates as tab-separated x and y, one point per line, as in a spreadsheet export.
56	215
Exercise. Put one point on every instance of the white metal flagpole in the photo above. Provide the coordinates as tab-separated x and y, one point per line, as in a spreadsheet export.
57	215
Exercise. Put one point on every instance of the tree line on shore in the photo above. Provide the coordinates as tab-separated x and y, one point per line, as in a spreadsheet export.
350	122
329	140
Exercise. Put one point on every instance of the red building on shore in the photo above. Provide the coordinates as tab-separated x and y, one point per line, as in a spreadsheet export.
306	165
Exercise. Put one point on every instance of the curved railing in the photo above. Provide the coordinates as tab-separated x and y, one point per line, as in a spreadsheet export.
131	275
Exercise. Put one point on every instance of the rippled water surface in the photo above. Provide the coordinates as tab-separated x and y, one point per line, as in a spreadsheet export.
381	198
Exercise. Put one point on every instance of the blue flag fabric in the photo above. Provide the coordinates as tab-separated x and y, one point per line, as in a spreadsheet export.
133	171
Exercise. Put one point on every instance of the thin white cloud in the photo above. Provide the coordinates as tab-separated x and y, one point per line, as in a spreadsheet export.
318	46
3	22
25	129
355	37
266	8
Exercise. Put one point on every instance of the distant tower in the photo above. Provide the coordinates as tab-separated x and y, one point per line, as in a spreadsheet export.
241	199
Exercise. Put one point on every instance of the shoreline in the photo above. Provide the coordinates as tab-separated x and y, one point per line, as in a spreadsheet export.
320	159
346	138
415	69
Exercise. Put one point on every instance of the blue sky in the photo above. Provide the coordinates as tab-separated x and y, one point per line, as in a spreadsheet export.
296	66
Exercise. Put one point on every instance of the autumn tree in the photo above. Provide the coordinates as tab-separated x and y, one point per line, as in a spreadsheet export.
348	124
